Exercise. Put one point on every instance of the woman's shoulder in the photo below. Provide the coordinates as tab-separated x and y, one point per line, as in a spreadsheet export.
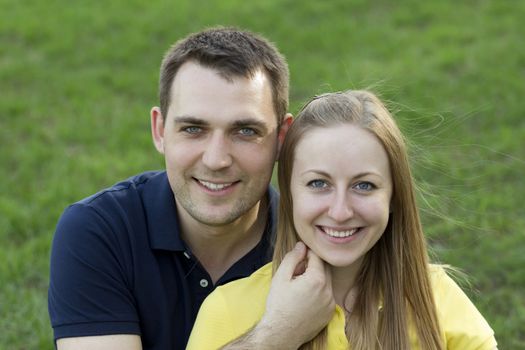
447	280
438	273
463	325
253	287
444	286
231	310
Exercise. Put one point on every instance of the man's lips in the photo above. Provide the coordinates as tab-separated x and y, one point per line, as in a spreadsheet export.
216	186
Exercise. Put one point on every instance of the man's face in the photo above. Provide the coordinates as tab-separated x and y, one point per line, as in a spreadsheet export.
220	143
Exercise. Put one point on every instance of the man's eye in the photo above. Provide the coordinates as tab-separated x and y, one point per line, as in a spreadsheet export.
247	132
364	186
192	129
317	184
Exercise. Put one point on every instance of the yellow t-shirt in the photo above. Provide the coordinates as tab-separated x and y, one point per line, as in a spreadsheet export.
233	309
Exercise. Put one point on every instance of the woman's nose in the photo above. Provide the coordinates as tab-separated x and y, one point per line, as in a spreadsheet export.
341	207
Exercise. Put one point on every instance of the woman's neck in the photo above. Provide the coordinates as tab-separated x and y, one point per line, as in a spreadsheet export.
344	284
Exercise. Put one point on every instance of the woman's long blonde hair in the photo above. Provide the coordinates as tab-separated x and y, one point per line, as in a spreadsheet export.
393	281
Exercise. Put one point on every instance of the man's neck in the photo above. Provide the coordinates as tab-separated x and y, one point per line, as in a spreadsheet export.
219	247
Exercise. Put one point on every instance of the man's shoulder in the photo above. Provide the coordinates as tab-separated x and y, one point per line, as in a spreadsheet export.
114	206
127	189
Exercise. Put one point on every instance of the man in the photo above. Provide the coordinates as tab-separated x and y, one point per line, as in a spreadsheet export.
131	265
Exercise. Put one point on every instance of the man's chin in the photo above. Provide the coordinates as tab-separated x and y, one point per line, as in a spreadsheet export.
217	218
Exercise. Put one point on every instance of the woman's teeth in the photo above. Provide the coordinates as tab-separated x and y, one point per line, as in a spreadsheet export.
339	234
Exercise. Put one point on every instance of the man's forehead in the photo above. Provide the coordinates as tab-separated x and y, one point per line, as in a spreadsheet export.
201	92
194	68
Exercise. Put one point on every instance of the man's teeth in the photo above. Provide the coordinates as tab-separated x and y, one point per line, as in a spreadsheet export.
339	234
214	187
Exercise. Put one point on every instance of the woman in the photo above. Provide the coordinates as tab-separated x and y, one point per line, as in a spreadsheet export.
347	193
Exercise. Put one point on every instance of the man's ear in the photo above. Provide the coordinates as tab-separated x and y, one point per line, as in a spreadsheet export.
283	129
157	129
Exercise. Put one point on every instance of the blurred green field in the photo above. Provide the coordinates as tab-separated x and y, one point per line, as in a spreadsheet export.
77	80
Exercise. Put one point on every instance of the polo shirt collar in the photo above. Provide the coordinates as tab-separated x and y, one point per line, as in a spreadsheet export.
163	222
161	211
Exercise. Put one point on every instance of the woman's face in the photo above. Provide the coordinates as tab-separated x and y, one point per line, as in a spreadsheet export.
341	189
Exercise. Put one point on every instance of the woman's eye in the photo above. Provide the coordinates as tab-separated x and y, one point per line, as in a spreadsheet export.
317	184
364	186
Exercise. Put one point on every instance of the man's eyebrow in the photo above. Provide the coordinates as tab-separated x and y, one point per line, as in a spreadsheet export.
186	119
239	123
250	122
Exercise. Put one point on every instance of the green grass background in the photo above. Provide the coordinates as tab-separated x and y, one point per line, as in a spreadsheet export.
77	80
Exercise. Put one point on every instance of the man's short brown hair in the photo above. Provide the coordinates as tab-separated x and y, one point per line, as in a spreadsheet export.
232	53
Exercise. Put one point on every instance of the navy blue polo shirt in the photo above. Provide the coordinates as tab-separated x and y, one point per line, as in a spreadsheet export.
119	266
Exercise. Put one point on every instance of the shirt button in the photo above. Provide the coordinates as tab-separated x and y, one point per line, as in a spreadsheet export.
204	283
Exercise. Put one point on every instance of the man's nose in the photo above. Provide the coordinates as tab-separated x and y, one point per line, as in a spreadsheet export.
217	152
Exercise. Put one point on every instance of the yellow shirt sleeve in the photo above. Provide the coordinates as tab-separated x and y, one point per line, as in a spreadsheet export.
213	327
463	325
230	311
233	309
